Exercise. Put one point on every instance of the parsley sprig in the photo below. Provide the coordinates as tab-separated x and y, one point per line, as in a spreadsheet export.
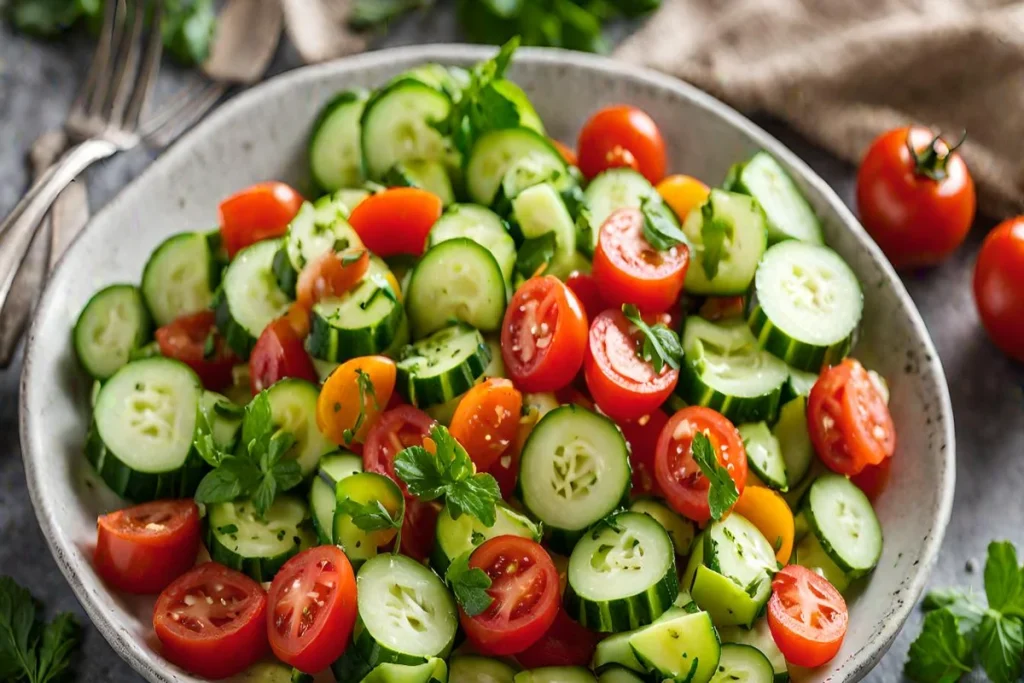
723	494
366	393
30	650
660	230
448	472
469	585
661	345
373	516
961	631
534	253
713	233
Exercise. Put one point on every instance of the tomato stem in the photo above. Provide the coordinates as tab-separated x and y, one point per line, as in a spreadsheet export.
931	161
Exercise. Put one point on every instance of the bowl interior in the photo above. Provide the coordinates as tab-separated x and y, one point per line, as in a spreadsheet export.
262	135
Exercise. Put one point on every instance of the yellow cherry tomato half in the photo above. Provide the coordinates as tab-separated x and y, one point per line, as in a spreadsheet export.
683	193
766	509
353	397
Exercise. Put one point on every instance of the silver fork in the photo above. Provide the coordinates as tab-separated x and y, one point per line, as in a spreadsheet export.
103	120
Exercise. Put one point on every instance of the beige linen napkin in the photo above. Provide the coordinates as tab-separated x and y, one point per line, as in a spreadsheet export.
843	71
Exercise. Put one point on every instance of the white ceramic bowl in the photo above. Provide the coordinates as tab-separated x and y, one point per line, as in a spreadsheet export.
262	135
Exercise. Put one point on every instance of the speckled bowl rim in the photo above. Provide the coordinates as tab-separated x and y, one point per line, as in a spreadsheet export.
857	666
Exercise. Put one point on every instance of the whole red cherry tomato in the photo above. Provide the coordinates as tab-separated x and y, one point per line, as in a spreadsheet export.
999	286
621	136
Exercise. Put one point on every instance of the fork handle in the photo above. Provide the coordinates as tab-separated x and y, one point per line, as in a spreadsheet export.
18	229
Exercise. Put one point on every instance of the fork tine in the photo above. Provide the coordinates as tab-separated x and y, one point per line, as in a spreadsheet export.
149	68
180	101
128	63
113	33
173	128
100	58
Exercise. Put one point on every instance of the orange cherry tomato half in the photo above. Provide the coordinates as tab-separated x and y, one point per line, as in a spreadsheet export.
999	286
524	588
486	420
278	353
257	213
543	335
683	194
848	419
312	608
623	384
353	397
395	430
807	616
678	474
628	270
194	340
621	136
142	549
212	621
331	275
396	221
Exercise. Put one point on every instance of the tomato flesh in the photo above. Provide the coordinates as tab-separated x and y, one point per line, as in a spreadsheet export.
419	528
331	275
486	420
193	339
395	430
807	616
621	136
566	643
144	548
257	213
586	290
642	436
999	286
278	353
396	221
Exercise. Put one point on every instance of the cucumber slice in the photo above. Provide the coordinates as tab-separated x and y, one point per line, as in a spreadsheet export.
809	553
495	152
680	529
481	225
426	175
348	198
237	538
457	279
622	574
555	674
764	455
759	637
225	420
314	231
614	189
684	648
179	277
618	674
293	409
539	210
744	243
462	535
473	669
442	366
272	672
433	670
322	492
250	297
451	80
397	125
364	321
743	663
335	156
143	424
845	523
800	384
794	440
406	613
444	412
724	369
111	326
574	470
809	304
365	487
614	650
528	117
789	215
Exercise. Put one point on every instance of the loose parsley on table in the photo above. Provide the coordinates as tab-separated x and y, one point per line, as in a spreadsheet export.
30	650
723	494
661	345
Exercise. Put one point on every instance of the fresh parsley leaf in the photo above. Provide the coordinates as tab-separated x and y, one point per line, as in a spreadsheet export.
722	494
964	606
940	654
263	496
188	29
1004	580
661	345
421	472
372	516
660	230
366	392
288	474
235	477
30	650
257	423
713	233
476	496
60	639
469	585
477	538
1000	647
203	439
535	253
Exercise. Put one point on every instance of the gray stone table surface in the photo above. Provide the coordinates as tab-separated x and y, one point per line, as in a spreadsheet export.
37	83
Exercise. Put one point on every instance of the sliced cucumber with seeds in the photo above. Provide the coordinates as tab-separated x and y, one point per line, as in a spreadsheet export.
431	176
845	523
724	369
809	553
555	674
743	664
481	225
456	280
789	214
794	440
680	529
614	651
685	648
335	156
397	125
434	670
539	210
809	304
527	114
764	455
444	412
442	366
618	674
180	277
293	409
312	233
800	384
622	574
614	189
573	472
143	425
744	239
457	536
363	488
474	669
348	198
323	500
535	169
237	537
495	152
759	637
225	420
111	326
364	321
250	297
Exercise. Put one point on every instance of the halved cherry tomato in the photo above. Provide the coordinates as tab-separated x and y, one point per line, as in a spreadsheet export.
142	549
624	385
873	479
768	511
566	643
396	221
999	286
585	288
312	608
566	152
419	527
212	621
621	136
642	436
848	419
570	394
257	213
331	275
349	406
278	353
298	318
629	270
543	335
807	616
678	474
524	586
394	431
486	420
723	307
193	339
683	194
